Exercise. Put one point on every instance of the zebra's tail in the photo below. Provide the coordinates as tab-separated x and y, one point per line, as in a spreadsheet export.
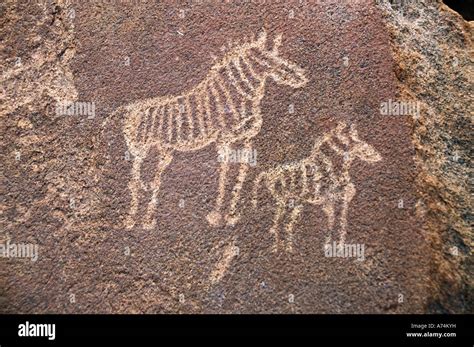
257	183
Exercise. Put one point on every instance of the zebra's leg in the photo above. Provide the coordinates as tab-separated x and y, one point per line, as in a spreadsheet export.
349	193
233	217
275	229
289	227
149	221
215	216
328	209
134	186
257	182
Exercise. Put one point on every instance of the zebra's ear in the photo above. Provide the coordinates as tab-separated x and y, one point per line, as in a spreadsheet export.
262	37
353	132
277	43
340	126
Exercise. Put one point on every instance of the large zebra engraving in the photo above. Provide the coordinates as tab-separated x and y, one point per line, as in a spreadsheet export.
316	180
223	109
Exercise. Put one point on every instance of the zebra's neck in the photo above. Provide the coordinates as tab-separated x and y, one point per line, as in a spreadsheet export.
240	73
336	146
334	150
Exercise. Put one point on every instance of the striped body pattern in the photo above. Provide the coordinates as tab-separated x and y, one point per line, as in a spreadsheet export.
222	103
320	179
223	109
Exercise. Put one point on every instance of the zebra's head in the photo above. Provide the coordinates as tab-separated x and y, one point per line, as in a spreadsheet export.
271	64
347	142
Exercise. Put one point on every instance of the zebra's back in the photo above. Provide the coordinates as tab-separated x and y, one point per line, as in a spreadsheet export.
187	121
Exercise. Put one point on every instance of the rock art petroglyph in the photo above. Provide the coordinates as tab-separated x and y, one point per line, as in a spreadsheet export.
223	109
316	180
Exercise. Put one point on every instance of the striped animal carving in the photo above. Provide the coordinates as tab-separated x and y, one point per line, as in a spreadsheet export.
223	109
320	179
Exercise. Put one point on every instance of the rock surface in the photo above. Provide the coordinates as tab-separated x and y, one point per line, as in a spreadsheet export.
432	47
66	178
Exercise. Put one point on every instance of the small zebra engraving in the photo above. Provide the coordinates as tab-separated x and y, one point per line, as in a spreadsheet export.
222	109
316	180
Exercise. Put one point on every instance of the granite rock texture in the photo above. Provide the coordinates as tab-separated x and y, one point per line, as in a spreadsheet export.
433	52
65	179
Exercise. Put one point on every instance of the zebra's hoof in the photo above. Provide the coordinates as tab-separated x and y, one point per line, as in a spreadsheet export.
129	223
232	220
150	224
214	218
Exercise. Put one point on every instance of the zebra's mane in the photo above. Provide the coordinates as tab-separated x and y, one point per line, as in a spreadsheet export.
335	133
